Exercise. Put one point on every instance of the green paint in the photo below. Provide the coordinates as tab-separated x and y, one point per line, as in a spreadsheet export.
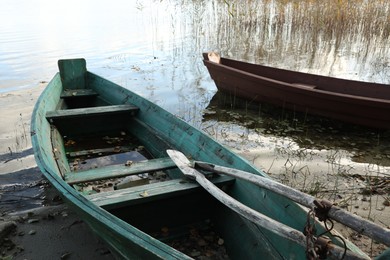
157	130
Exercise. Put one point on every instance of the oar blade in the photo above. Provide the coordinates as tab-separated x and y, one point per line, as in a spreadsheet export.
182	163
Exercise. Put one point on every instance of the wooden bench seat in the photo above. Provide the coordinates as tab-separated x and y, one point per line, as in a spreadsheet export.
108	150
92	112
151	192
116	171
78	93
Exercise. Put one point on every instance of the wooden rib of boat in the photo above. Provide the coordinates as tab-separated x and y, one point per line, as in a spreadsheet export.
356	102
82	121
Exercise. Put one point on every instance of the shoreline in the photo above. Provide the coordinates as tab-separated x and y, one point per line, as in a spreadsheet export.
46	232
53	232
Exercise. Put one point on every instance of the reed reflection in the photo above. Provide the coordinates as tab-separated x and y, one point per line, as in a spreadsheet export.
337	38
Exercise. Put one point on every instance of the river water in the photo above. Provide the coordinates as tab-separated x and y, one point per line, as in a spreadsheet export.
155	49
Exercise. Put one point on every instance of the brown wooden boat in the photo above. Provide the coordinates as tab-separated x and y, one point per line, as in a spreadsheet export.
356	102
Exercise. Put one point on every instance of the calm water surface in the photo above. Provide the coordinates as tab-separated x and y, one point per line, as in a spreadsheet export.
154	48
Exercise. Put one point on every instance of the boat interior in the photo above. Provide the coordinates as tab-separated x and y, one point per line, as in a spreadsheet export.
125	170
111	146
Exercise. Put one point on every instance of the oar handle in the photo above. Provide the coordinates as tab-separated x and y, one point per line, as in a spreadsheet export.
267	222
254	216
353	221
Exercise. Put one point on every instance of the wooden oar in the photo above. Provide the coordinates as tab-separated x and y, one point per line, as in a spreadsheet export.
353	221
254	216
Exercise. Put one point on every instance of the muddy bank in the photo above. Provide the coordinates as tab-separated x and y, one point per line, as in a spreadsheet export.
53	232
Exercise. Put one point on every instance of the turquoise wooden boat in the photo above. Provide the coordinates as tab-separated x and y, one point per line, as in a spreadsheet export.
81	121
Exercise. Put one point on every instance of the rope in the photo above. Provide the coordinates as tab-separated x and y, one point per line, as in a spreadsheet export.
318	247
310	231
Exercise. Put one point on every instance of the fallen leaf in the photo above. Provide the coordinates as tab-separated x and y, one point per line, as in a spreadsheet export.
144	194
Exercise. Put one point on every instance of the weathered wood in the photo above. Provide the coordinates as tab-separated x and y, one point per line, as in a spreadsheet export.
115	149
73	73
363	226
132	181
58	151
256	217
91	111
150	192
78	93
116	171
357	102
120	226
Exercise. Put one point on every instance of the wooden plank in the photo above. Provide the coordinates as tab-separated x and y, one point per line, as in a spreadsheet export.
116	149
116	171
91	111
278	228
73	73
58	151
76	93
151	192
351	220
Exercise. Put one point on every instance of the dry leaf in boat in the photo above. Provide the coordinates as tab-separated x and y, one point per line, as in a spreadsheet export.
164	231
129	163
144	194
69	142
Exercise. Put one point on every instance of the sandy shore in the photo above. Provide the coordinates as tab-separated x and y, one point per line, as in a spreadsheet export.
56	232
51	232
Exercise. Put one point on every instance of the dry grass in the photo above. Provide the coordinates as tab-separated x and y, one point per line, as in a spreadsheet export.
304	34
336	17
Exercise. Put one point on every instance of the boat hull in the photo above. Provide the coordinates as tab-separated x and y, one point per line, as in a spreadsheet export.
361	103
128	226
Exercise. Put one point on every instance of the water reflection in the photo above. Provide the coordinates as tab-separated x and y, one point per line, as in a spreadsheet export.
332	38
365	145
154	47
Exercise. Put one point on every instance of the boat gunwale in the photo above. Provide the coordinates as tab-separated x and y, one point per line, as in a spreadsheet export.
112	223
76	199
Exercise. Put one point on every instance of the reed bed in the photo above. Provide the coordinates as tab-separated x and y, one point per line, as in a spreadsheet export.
305	34
334	17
